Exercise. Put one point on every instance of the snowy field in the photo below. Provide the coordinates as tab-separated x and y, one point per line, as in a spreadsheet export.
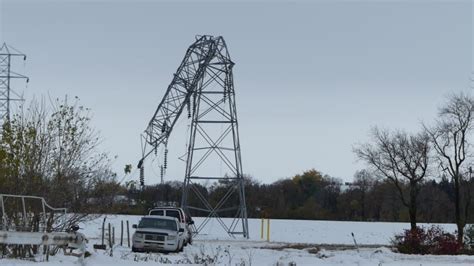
287	231
292	241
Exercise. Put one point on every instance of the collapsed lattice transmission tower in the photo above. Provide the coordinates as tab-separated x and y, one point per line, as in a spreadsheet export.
7	75
203	87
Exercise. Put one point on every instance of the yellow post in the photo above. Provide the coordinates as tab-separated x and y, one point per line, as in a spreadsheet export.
261	229
268	230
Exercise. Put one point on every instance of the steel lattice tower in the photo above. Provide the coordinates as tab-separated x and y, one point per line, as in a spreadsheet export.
204	83
7	53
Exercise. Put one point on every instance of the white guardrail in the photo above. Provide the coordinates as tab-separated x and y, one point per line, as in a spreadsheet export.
71	240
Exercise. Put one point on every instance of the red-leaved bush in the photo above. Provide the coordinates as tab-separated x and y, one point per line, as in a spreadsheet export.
426	241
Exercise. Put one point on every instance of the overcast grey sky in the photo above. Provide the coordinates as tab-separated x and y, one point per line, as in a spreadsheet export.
311	78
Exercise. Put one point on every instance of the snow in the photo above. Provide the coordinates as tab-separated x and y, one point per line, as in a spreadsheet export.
252	253
292	241
288	231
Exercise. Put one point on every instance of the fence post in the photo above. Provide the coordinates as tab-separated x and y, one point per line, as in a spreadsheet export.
128	235
121	233
268	230
110	235
103	230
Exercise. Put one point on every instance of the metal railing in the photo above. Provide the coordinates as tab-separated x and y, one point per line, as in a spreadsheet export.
44	208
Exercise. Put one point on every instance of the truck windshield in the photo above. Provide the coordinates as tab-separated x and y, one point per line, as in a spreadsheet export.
158	224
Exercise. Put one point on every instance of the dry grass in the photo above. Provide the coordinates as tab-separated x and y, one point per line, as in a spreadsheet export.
315	248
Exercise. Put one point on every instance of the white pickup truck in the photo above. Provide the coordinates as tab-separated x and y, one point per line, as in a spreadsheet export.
158	233
184	220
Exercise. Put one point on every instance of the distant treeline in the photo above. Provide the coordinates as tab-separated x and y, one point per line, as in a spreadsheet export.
312	195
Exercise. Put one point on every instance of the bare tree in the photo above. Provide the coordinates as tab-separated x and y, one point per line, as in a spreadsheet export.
450	141
403	159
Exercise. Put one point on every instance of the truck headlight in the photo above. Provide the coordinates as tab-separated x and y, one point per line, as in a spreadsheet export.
171	238
138	235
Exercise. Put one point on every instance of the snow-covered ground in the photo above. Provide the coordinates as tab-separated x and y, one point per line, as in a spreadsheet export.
288	231
301	242
252	253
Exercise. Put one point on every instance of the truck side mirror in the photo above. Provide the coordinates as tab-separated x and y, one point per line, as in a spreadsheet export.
181	230
134	226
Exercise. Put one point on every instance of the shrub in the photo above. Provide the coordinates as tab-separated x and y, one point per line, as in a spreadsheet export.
441	242
426	241
411	241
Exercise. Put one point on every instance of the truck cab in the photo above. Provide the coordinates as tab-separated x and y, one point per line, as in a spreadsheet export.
185	221
158	233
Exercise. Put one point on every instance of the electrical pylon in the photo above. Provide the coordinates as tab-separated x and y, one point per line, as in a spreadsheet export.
7	95
204	84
